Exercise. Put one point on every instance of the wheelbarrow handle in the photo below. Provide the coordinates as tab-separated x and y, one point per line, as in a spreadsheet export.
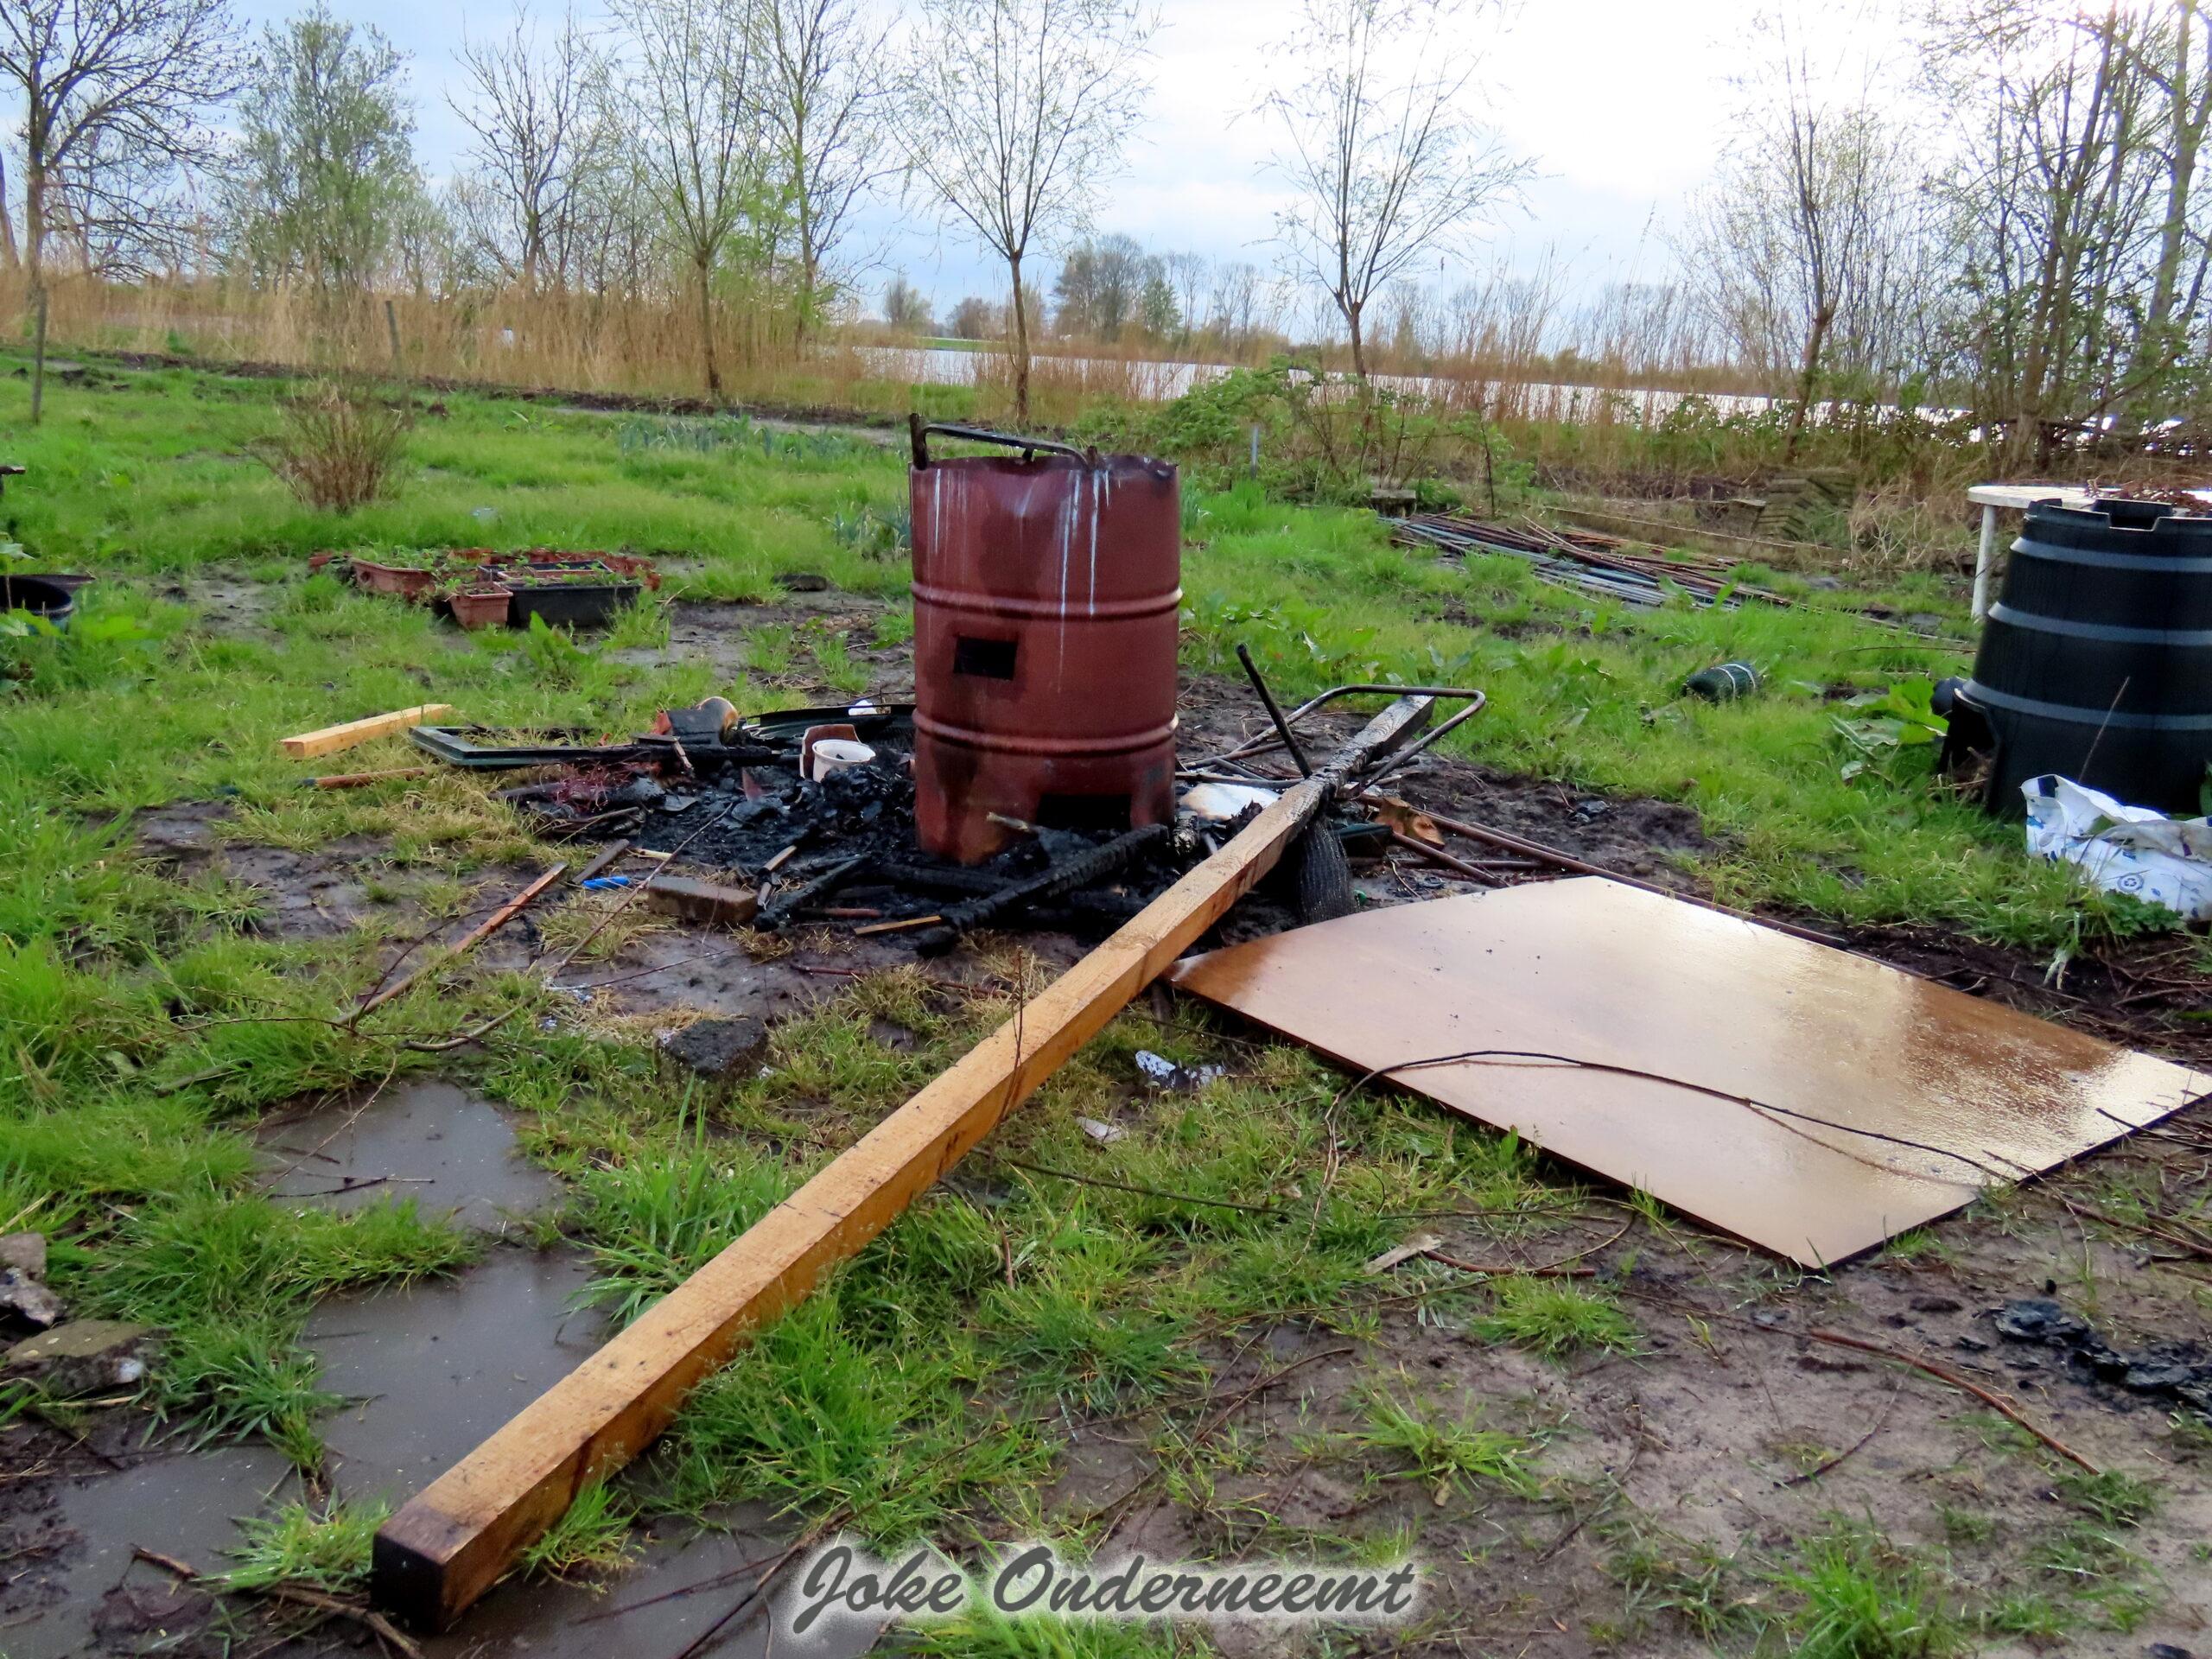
919	430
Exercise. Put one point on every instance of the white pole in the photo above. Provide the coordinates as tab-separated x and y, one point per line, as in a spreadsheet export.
1982	561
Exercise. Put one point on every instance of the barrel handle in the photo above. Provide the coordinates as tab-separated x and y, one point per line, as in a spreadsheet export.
919	430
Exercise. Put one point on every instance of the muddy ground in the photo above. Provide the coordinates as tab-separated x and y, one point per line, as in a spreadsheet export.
1727	1436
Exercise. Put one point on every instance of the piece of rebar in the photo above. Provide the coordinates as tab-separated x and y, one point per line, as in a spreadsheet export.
363	780
1537	850
602	859
1063	877
1268	701
1438	855
896	927
779	911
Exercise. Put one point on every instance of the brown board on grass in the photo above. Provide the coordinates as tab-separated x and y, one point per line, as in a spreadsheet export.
1808	1100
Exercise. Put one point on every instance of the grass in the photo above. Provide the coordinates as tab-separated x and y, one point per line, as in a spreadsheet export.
1555	1318
324	1550
155	482
592	1538
1861	1599
1446	1453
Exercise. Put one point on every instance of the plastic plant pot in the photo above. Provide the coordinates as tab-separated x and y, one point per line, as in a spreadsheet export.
573	605
481	607
43	597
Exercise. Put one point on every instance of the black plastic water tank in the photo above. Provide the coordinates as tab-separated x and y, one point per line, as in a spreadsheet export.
2096	660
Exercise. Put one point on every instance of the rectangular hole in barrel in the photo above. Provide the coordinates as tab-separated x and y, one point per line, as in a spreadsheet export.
1090	812
989	659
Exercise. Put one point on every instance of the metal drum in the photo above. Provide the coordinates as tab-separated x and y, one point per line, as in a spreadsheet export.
2096	661
1047	588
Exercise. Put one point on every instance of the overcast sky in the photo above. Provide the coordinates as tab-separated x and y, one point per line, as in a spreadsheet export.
1620	104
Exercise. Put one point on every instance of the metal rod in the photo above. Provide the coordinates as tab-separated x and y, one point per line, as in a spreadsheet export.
919	430
1406	756
1438	855
1268	701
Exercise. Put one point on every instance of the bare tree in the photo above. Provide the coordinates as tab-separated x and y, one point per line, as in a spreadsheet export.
690	88
1383	161
124	213
2185	79
1236	302
905	307
1186	275
1806	248
2071	187
1011	111
824	93
537	110
1102	286
112	89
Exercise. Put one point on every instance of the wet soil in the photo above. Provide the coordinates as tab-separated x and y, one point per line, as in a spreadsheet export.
684	1580
1729	1429
429	1369
427	1372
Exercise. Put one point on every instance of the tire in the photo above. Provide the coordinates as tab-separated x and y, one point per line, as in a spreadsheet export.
1321	876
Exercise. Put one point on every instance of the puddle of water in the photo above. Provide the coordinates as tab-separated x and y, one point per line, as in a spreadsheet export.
436	1368
432	1370
636	1610
430	1141
184	1505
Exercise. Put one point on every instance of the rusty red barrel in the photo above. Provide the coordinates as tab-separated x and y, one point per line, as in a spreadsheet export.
1045	592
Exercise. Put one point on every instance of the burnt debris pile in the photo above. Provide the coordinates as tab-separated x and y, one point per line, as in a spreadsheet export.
813	813
2174	1374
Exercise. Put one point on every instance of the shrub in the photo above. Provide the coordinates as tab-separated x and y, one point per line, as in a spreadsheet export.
340	445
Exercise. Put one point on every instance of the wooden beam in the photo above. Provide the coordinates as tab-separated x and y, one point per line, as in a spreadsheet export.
455	1539
331	738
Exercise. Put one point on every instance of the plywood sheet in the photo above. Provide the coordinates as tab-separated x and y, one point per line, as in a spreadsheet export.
1804	1098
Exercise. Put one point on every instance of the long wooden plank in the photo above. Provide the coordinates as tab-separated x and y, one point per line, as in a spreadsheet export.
457	1537
330	738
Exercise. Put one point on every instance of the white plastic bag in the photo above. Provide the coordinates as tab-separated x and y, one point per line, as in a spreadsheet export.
2119	848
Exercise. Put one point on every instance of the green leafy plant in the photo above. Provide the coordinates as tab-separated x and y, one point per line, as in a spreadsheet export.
1887	724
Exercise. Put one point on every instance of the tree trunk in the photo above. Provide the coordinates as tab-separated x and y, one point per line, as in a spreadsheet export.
7	253
2190	110
1021	344
1358	343
707	328
1807	375
35	220
809	278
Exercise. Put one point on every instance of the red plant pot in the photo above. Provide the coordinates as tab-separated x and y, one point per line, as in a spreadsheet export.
395	579
481	607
